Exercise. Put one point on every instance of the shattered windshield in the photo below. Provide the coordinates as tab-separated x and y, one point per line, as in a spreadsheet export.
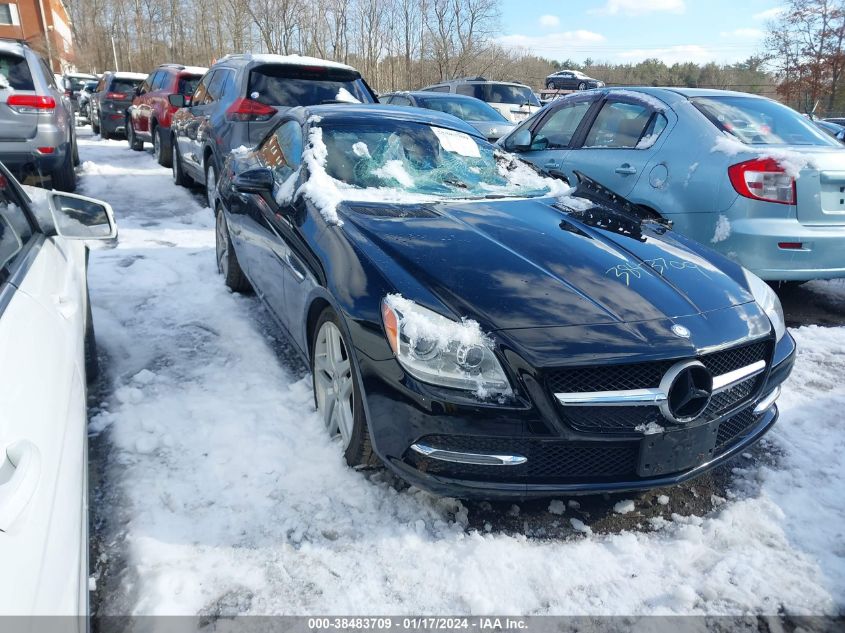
424	159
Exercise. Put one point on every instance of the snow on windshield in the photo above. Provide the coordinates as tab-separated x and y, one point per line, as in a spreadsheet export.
411	163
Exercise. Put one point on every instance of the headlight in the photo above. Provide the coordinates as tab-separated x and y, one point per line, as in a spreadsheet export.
768	300
440	351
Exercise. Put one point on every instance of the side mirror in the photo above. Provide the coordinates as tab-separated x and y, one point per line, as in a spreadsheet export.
177	100
520	141
258	181
81	218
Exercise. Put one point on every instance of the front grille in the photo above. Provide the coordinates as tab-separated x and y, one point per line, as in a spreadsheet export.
734	429
559	461
549	461
647	375
626	419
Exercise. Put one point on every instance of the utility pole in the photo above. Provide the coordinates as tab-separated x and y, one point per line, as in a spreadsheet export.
114	52
46	34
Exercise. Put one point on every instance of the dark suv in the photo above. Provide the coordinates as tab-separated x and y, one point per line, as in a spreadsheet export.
236	100
110	100
72	83
148	118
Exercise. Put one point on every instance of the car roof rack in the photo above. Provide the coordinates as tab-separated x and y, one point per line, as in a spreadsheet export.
172	65
476	78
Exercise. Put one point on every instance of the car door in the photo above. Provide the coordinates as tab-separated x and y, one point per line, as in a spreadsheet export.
141	106
620	142
263	229
553	133
43	466
188	138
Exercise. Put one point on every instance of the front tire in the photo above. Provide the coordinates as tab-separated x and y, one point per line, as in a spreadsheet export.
179	177
227	260
336	393
135	143
92	363
163	153
582	86
210	182
550	85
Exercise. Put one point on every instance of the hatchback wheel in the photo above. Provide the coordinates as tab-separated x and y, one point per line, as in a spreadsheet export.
211	183
336	393
227	261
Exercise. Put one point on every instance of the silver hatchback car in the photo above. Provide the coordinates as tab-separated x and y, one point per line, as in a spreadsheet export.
740	173
37	132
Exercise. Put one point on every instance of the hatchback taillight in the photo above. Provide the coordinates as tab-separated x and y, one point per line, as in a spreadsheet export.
31	104
117	95
249	110
763	179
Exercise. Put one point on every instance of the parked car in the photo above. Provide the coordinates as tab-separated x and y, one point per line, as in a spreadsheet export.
571	80
37	134
83	99
480	115
738	172
832	129
72	83
110	101
480	331
515	101
48	350
236	101
149	115
837	120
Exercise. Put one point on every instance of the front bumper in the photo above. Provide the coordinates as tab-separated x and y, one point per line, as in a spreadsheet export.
402	413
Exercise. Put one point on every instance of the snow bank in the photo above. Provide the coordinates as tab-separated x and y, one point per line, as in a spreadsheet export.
647	141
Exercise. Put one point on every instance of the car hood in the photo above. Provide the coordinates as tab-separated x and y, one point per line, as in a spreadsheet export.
492	129
536	263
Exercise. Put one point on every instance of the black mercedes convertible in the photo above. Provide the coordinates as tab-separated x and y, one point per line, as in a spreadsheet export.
485	330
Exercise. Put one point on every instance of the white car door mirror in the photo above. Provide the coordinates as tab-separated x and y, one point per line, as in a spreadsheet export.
82	218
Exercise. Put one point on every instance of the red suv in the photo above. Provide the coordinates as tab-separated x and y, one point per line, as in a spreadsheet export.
148	118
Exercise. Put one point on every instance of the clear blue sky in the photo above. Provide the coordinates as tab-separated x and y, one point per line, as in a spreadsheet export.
619	31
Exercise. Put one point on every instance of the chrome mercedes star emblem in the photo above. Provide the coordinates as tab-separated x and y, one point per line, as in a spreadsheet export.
680	330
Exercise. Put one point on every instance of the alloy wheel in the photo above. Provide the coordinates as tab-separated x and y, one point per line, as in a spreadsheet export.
222	244
582	86
156	146
333	386
174	166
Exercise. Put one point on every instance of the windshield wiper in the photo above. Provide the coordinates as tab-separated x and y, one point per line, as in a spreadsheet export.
456	183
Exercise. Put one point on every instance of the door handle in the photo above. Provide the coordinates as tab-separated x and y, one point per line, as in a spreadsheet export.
20	470
625	169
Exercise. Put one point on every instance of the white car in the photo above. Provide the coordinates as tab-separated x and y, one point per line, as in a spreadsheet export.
45	332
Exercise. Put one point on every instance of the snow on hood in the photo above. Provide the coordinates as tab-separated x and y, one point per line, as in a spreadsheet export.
327	193
791	161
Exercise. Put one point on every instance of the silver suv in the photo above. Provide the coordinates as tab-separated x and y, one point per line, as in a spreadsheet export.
37	134
516	102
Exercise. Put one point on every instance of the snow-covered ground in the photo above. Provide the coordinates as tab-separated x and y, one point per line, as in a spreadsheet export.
234	500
